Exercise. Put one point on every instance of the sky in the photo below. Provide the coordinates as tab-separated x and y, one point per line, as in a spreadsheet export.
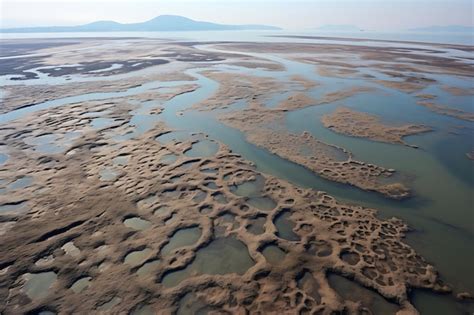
374	15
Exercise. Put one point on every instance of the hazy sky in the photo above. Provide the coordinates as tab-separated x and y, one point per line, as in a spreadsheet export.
296	14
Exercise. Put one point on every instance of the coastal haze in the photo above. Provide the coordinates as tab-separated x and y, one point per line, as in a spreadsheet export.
203	157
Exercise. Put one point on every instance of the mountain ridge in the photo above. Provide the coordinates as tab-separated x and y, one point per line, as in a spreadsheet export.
156	24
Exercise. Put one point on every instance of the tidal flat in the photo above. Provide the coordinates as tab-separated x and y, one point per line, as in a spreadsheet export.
152	176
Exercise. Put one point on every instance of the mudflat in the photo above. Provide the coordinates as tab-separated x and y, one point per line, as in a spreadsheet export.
148	176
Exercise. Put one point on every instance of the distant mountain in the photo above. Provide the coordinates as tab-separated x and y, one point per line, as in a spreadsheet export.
448	28
338	28
160	23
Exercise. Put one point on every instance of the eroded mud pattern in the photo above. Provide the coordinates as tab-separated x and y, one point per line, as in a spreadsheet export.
135	189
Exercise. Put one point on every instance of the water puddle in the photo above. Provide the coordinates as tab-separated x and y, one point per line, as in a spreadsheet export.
101	123
160	210
250	188
285	226
203	148
176	136
3	158
147	202
22	182
220	198
273	254
137	223
308	284
206	209
262	203
350	290
121	160
181	238
81	284
45	144
221	256
137	257
168	159
257	226
38	284
108	174
14	207
147	268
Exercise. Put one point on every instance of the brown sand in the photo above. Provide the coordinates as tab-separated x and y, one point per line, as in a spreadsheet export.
407	87
236	87
448	111
332	97
357	124
297	100
458	91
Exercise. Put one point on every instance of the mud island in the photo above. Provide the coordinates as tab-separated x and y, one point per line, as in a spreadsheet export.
357	124
146	176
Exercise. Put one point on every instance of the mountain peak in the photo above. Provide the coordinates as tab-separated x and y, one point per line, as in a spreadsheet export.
170	17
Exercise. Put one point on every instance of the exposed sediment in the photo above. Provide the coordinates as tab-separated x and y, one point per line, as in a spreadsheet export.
343	94
20	96
237	87
447	111
297	100
399	60
358	124
457	91
329	161
404	86
263	128
75	228
132	216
